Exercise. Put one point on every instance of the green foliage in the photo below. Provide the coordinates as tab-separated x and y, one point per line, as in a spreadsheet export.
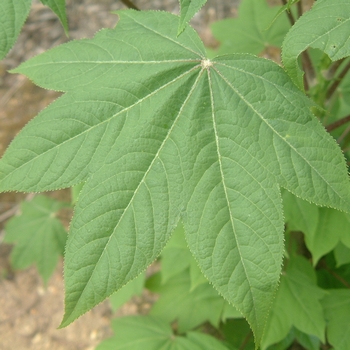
59	7
297	304
151	333
337	310
152	133
326	27
13	16
39	236
323	227
232	113
252	31
188	9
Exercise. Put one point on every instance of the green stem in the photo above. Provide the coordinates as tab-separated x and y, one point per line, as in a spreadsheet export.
246	340
338	123
337	81
300	8
130	4
334	274
289	14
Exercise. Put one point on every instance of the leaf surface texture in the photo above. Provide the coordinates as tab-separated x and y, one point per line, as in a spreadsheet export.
158	132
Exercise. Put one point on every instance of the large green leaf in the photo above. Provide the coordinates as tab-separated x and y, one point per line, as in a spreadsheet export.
188	9
326	27
251	31
297	303
13	14
38	235
158	131
337	311
152	333
59	7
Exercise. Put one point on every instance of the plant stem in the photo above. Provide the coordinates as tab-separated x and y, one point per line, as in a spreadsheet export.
289	14
343	135
130	4
299	8
246	340
338	123
334	274
337	81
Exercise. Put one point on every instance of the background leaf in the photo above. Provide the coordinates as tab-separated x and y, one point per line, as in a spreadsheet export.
251	31
324	228
188	8
297	303
59	7
189	307
151	333
337	310
38	235
326	27
13	16
160	132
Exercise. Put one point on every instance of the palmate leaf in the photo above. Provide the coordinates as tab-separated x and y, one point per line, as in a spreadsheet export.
326	27
158	131
12	17
38	235
152	333
255	29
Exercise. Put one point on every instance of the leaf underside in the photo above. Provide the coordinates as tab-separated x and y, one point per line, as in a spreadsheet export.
159	132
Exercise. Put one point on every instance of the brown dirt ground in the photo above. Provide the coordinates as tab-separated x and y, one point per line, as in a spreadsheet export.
29	312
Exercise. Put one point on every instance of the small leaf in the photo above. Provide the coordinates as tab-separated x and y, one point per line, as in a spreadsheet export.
13	16
189	307
59	7
188	8
326	27
342	254
248	33
323	227
152	333
38	235
337	311
297	303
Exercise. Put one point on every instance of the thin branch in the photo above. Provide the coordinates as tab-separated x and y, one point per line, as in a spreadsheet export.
289	14
246	340
300	8
338	123
333	68
338	80
335	275
343	135
130	4
308	69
